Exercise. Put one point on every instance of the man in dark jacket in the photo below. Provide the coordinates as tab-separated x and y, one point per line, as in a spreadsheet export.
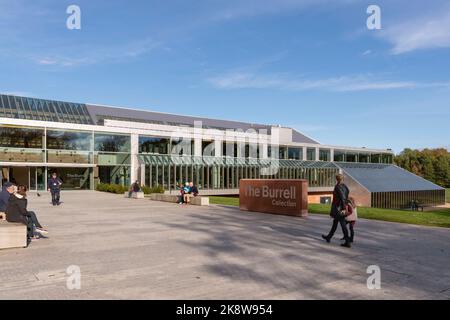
338	210
7	191
54	186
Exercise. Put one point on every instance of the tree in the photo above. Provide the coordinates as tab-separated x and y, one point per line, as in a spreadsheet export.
431	164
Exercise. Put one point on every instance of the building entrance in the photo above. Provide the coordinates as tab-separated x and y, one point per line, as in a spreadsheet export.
32	177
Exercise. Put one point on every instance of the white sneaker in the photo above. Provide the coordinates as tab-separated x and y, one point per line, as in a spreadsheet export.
42	231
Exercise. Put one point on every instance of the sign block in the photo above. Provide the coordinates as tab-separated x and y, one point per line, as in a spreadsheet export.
286	197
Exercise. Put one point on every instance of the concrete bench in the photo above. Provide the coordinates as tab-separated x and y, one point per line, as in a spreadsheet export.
198	201
135	195
12	235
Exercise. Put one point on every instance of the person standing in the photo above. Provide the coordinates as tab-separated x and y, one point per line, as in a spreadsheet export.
338	210
54	186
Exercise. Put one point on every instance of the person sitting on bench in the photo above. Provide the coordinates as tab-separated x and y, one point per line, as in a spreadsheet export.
16	211
135	188
7	191
193	189
187	193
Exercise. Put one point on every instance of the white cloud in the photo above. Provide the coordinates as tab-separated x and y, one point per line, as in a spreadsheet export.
18	93
239	80
420	33
89	55
236	9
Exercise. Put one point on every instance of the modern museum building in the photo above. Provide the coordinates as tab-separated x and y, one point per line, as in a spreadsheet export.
87	144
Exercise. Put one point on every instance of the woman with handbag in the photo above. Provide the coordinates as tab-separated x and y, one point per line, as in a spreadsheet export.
339	210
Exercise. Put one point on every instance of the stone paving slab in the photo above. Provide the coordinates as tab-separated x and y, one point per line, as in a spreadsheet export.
140	249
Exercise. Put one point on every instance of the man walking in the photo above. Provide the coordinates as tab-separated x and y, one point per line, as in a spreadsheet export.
54	186
338	210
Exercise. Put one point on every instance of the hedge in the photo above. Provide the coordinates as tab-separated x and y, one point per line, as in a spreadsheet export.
120	189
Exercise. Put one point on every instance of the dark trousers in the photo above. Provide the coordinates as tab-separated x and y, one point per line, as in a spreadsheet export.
352	231
338	219
55	196
32	221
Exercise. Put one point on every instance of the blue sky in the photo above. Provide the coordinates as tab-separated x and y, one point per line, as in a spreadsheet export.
309	64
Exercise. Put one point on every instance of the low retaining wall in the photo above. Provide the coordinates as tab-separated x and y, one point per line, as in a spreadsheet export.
12	235
134	195
198	201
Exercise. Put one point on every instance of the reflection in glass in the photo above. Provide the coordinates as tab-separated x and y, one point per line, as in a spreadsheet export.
311	154
66	156
282	152
112	143
351	157
324	155
68	140
295	154
73	178
21	137
364	157
339	156
21	155
153	145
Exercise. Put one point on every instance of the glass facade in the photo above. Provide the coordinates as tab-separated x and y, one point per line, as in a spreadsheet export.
113	157
229	149
282	151
43	110
324	155
295	153
225	173
311	154
403	199
105	142
182	146
73	178
154	145
106	157
362	157
22	144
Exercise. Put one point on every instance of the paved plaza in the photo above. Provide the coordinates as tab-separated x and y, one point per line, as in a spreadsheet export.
140	249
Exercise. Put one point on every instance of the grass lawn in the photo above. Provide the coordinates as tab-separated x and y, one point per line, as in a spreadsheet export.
447	195
439	218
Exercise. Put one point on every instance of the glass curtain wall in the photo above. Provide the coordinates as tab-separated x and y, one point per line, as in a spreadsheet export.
225	173
64	146
112	154
20	144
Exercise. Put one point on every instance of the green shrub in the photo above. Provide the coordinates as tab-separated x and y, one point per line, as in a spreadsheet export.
112	188
148	190
119	189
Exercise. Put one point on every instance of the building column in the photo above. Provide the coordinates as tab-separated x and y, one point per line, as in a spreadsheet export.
305	155
317	154
198	147
331	155
134	157
218	148
264	153
143	174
